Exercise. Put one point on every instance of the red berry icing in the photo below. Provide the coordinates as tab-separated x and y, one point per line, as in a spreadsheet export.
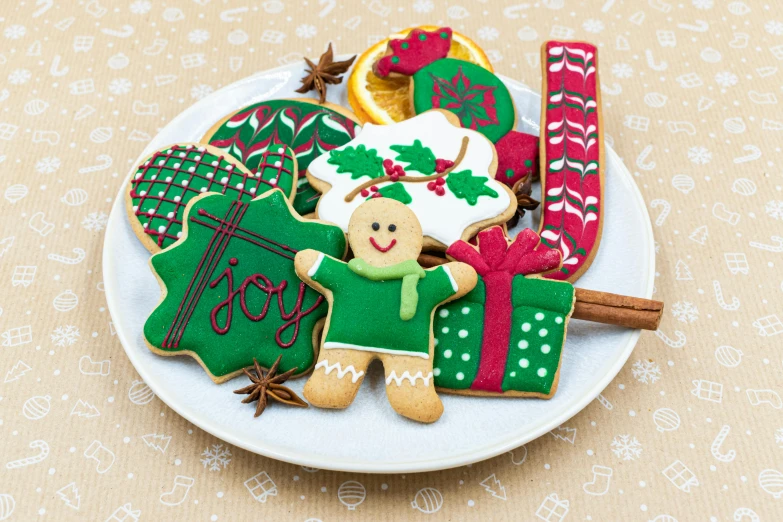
418	49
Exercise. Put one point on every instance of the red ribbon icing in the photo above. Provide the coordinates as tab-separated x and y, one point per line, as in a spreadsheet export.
497	262
417	50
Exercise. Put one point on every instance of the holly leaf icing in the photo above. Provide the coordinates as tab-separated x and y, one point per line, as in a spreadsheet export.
417	156
395	191
468	187
359	162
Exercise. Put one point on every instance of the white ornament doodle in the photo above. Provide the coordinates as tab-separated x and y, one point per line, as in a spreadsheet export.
69	494
174	14
157	441
41	452
35	107
493	486
261	486
739	8
15	193
101	454
710	55
683	183
351	494
743	512
743	187
36	408
679	475
78	256
599	485
718	442
237	37
762	397
118	61
728	356
74	197
735	302
527	34
102	134
656	100
216	456
7	505
666	419
140	394
179	492
428	501
771	481
65	301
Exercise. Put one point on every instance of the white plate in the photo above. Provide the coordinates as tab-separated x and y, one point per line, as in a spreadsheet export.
369	436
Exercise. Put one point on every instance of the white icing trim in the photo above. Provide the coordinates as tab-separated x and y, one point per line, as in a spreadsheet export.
340	371
316	265
407	375
451	278
334	345
443	218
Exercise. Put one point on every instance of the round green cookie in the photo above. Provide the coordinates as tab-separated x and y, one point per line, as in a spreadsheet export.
478	97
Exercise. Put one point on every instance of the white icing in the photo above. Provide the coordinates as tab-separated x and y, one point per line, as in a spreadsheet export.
316	265
443	218
406	375
336	344
355	376
451	278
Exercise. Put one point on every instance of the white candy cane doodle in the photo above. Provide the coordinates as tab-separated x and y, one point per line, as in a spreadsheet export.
75	260
640	159
55	69
679	343
329	6
651	62
519	461
699	27
43	452
743	512
664	212
716	444
512	12
124	32
605	402
613	90
232	15
735	302
755	153
104	162
770	248
45	6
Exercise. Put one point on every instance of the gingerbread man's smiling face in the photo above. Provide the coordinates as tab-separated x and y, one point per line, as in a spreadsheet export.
384	232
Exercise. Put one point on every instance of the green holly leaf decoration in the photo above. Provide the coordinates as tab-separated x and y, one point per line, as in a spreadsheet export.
417	156
359	161
466	186
395	191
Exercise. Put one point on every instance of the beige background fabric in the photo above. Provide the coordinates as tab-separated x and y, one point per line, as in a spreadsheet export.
691	428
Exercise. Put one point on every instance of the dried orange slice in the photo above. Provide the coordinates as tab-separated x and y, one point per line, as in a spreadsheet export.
387	100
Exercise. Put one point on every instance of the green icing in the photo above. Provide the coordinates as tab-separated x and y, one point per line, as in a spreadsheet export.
417	156
359	162
538	326
308	128
395	191
171	177
365	314
466	186
409	271
478	97
257	264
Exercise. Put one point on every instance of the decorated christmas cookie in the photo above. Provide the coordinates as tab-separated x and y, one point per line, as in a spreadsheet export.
381	306
476	95
506	336
230	292
309	128
442	172
164	183
572	157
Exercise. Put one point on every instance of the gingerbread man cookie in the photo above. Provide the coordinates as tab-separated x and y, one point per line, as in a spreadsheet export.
381	306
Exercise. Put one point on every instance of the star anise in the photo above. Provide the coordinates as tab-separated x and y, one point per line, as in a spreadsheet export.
525	201
326	72
269	385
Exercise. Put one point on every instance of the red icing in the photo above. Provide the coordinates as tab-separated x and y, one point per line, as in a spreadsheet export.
379	247
517	157
497	262
411	53
572	169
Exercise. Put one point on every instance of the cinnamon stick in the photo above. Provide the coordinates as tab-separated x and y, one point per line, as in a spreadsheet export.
600	307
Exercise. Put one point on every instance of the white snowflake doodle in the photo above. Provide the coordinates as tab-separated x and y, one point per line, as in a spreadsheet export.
488	33
685	312
200	91
120	86
306	31
14	32
646	372
626	447
47	165
19	76
703	4
591	25
95	221
774	209
198	36
141	7
699	155
65	335
726	79
622	70
215	457
774	27
423	6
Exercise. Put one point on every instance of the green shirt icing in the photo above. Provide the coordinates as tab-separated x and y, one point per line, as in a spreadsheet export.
537	335
365	314
409	271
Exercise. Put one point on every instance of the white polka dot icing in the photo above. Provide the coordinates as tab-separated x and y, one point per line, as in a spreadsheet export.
524	363
525	327
539	316
443	313
462	334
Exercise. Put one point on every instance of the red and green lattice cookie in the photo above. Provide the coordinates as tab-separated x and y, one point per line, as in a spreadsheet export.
230	290
474	94
164	183
309	128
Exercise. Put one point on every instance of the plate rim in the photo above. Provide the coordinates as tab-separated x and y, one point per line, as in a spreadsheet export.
310	458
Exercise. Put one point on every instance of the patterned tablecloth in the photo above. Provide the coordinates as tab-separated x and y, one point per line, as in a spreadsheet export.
691	428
